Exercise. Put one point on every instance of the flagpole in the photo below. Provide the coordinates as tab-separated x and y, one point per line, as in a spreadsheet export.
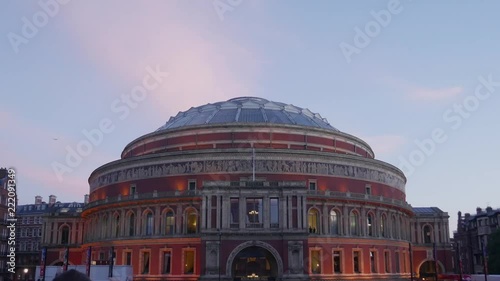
253	163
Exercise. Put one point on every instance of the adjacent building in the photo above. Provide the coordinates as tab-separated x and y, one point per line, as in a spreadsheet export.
4	232
51	225
251	189
471	238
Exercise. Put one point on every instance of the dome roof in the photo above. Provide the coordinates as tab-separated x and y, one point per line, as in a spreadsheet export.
247	110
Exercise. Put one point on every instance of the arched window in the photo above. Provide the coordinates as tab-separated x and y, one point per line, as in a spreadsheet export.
427	234
65	235
148	224
117	226
401	229
191	222
394	227
354	223
104	226
131	224
169	222
383	226
313	221
369	224
334	222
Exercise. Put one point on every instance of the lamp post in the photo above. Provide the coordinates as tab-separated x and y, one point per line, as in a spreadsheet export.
219	233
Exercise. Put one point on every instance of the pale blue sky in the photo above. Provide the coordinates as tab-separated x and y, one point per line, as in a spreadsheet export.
427	58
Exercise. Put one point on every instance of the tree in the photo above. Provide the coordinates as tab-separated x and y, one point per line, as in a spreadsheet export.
494	253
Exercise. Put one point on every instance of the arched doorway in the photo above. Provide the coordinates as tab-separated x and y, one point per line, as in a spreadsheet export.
254	263
427	270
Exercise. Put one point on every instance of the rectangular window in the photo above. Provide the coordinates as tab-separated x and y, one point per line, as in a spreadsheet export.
192	185
254	213
356	260
235	213
387	262
398	270
295	222
312	185
101	256
337	262
145	263
274	214
373	262
368	189
188	262
128	258
167	259
315	262
404	263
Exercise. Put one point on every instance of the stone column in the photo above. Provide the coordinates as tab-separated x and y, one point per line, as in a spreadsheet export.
157	224
204	212
209	211
324	224
266	209
226	203
345	218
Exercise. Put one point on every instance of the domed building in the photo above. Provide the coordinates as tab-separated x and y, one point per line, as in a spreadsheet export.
250	189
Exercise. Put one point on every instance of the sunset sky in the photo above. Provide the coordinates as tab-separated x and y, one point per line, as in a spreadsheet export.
394	73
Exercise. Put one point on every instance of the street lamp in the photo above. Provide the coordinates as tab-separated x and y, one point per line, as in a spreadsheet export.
25	274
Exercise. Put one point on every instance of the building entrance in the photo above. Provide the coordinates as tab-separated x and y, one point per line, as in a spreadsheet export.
254	264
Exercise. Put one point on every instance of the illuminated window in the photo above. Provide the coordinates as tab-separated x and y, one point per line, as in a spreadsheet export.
373	262
369	224
148	226
313	221
188	261
354	223
427	234
316	261
254	213
334	222
191	222
169	222
337	262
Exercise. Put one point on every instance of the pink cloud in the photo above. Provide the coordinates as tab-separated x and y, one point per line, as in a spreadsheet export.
201	62
384	145
435	94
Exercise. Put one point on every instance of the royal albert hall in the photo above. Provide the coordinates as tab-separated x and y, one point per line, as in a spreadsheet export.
250	189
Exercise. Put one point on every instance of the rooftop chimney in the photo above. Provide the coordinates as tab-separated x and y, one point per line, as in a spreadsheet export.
489	209
478	210
86	199
52	199
38	200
